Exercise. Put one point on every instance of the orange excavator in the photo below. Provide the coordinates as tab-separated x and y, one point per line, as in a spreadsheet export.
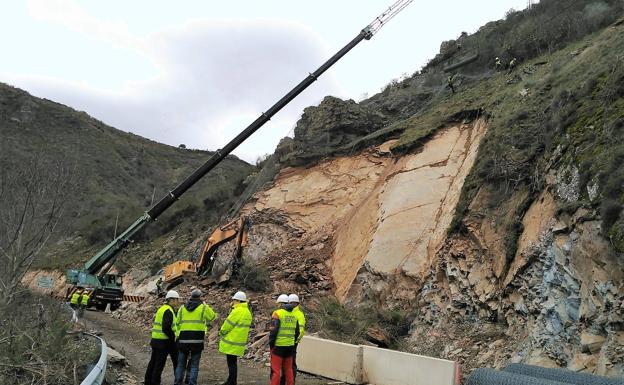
177	272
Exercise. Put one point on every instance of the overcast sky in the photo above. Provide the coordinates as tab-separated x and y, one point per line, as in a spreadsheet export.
197	72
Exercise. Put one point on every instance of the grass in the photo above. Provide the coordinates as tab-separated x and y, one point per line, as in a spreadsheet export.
35	347
116	174
574	104
351	324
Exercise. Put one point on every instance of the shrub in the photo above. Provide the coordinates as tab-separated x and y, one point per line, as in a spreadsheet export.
35	346
351	323
254	277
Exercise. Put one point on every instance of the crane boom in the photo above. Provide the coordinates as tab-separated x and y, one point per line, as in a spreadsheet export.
99	264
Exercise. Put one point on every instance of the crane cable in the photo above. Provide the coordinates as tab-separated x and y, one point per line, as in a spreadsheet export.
385	17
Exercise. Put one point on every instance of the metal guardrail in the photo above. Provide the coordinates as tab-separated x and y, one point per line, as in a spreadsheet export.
96	375
98	372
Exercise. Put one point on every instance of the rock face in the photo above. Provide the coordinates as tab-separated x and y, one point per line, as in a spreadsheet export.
327	127
556	301
388	216
561	298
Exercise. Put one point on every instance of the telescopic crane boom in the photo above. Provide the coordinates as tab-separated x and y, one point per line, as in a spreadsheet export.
95	272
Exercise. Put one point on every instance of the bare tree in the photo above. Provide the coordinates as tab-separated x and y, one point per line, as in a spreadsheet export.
33	195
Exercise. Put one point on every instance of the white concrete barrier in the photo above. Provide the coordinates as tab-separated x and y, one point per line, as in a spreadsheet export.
330	359
367	365
390	367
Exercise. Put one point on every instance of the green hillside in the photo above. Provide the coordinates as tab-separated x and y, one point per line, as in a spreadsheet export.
114	174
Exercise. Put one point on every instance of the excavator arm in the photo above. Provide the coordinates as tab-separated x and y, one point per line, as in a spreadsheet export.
176	272
95	270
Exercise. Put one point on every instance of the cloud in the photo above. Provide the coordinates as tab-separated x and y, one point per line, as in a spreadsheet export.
212	73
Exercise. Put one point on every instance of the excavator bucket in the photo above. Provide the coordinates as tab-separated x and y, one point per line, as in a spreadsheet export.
176	272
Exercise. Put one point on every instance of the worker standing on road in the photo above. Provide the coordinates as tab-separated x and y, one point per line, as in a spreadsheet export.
163	341
79	308
193	319
293	299
234	334
75	298
282	338
84	302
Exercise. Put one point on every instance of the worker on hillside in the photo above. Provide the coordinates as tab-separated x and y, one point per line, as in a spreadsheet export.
193	319
163	341
498	64
450	83
234	334
293	299
282	338
159	287
512	64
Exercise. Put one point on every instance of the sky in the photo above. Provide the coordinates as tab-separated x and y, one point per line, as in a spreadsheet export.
197	72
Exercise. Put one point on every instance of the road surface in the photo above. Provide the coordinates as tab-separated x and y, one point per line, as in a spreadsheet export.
133	343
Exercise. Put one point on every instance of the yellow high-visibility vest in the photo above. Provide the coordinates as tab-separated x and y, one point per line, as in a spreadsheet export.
287	328
235	330
157	330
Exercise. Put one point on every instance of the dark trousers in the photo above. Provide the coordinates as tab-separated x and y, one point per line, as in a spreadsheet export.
188	362
232	363
157	363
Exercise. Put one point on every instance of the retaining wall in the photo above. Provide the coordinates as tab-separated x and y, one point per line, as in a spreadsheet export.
367	365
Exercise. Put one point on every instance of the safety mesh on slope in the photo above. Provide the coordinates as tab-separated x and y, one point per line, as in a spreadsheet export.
493	377
562	375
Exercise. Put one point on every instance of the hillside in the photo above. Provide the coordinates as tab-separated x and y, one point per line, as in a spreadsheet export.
484	225
113	174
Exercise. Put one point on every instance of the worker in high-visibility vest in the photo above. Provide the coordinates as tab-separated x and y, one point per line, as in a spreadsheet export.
193	318
293	299
84	302
163	342
282	338
234	334
75	298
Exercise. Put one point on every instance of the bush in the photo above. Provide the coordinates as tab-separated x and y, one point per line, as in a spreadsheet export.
35	346
617	235
352	324
254	277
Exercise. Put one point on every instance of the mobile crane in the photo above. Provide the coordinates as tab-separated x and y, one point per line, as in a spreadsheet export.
107	287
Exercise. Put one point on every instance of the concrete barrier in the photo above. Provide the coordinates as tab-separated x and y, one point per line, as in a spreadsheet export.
383	366
367	365
330	359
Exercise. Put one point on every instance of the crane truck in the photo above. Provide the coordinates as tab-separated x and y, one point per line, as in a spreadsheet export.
95	276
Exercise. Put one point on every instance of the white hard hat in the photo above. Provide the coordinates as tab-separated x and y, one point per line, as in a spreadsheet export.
293	298
172	294
240	296
283	298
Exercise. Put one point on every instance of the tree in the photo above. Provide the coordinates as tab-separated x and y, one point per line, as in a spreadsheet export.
32	198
